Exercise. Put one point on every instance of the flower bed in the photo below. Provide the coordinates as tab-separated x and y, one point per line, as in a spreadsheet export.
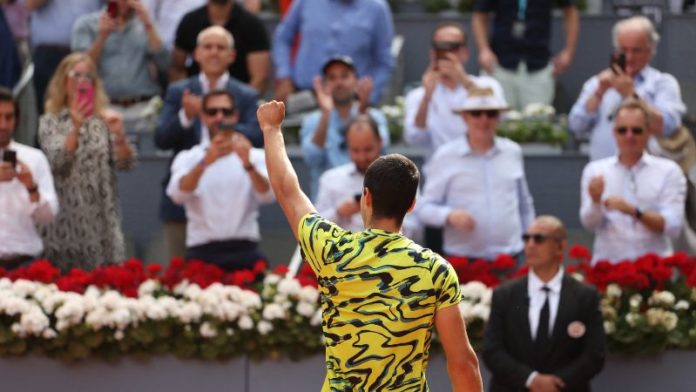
195	310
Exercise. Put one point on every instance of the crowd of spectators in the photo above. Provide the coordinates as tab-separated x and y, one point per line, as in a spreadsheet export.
102	67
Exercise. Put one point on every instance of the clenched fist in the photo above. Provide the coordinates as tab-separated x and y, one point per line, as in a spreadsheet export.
270	116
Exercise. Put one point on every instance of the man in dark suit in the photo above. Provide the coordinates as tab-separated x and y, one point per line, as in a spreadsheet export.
545	331
180	128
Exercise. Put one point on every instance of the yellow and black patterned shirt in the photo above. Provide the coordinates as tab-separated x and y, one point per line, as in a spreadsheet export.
379	294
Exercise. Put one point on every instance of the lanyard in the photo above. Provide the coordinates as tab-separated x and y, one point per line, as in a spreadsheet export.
521	9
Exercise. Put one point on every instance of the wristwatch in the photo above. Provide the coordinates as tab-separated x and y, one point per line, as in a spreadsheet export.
638	213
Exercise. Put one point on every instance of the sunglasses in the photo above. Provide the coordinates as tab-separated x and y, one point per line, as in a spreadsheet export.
214	111
634	130
536	238
81	76
447	46
488	113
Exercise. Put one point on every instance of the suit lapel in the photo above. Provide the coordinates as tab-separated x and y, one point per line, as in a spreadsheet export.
522	317
566	309
197	89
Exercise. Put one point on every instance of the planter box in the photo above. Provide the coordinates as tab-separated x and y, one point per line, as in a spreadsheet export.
671	371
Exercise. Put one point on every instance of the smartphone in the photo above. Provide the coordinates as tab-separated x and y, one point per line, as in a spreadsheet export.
85	96
10	156
618	59
112	8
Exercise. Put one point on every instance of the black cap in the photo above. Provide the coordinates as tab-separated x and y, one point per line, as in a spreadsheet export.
340	59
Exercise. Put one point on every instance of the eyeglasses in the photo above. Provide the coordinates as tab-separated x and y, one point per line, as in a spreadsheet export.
214	111
635	130
537	238
81	76
488	113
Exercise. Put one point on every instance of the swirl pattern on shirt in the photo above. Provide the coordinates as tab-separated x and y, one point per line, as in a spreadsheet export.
379	294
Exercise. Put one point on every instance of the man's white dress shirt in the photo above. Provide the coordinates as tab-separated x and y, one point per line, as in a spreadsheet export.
653	184
336	186
224	205
18	215
492	188
205	86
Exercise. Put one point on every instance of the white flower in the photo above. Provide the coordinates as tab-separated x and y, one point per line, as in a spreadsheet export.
34	322
473	290
119	335
632	319
513	115
49	333
614	290
608	312
609	327
207	331
309	294
577	276
635	301
316	319
664	298
190	312
682	305
24	288
148	287
305	309
669	320
481	311
289	286
272	279
245	322
264	327
273	311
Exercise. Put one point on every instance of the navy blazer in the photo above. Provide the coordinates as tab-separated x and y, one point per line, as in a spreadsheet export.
170	135
508	345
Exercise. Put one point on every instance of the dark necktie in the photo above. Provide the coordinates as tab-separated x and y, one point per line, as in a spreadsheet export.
541	343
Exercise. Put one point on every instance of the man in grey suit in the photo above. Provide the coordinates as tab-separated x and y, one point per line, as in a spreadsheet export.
180	128
545	331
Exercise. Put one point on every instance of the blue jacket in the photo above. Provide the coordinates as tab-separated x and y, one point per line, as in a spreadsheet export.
171	135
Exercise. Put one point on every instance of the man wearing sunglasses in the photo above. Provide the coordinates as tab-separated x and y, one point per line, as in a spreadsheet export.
636	39
430	121
476	189
634	201
545	331
221	184
180	126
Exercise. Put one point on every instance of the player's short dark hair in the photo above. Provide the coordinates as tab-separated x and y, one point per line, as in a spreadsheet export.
393	182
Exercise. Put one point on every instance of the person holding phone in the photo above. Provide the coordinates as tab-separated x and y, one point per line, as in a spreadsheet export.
221	183
429	119
27	194
635	40
85	144
124	43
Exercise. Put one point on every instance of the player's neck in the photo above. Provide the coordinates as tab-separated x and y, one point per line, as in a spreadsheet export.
385	224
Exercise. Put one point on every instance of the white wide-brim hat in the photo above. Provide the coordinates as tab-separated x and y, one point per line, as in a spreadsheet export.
481	99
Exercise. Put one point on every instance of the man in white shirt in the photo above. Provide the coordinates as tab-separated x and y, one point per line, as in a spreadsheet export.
633	202
221	184
476	188
429	119
636	40
27	195
545	330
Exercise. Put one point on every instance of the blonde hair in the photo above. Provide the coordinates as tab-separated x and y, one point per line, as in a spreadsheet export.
57	96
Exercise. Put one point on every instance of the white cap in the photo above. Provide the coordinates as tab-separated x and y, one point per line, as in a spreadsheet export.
481	99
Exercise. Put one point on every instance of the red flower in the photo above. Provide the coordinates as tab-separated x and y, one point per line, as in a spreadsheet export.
579	252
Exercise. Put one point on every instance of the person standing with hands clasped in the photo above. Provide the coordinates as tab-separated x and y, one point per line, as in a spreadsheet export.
85	143
221	185
545	331
381	293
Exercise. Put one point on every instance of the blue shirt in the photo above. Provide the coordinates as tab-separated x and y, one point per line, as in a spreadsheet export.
533	48
659	89
491	187
51	24
335	152
361	29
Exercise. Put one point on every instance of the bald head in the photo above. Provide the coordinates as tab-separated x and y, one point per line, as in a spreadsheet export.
553	224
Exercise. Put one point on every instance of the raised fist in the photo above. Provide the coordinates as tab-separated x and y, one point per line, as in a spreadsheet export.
271	115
